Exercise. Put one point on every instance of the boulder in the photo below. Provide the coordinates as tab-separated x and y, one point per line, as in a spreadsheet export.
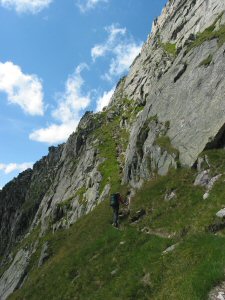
221	213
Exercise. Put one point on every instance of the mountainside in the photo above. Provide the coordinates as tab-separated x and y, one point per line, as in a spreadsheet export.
161	139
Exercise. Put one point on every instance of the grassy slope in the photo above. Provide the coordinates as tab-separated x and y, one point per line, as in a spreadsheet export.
85	255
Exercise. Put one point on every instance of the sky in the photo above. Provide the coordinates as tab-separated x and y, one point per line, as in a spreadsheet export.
58	59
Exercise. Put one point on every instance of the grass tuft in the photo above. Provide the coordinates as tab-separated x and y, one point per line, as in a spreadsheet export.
209	34
207	61
165	144
169	48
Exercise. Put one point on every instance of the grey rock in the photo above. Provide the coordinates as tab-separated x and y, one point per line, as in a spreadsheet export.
165	162
144	157
45	254
111	115
221	213
203	178
114	272
202	162
185	101
170	195
218	293
146	280
213	181
170	249
14	276
206	196
105	193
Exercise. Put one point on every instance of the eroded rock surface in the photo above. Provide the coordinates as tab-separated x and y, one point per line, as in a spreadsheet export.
177	88
14	276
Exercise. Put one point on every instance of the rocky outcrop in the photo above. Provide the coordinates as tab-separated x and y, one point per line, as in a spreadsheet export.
149	151
20	199
218	293
13	278
12	199
171	75
45	254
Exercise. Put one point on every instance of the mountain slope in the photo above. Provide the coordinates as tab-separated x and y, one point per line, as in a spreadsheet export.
94	260
166	116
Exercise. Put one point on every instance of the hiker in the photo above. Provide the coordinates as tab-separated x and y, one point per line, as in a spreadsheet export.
115	201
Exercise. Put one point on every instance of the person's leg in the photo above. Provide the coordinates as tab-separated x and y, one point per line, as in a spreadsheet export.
116	217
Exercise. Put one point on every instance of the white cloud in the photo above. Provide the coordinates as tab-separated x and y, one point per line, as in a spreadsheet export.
72	101
122	48
98	51
54	133
124	56
104	99
70	105
22	89
85	5
26	6
114	35
9	168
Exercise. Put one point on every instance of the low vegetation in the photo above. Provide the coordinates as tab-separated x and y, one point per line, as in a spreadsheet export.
207	61
165	144
208	34
94	260
169	48
109	169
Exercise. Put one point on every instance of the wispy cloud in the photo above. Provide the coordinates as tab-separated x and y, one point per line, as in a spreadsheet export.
85	5
71	104
104	99
114	34
9	168
124	56
22	89
26	6
122	50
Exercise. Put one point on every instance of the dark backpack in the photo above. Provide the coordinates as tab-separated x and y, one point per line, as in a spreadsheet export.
114	200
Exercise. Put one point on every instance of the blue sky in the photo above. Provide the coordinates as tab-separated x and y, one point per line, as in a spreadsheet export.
59	58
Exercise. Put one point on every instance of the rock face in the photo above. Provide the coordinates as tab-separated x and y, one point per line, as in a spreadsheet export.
178	88
20	199
167	110
14	276
12	198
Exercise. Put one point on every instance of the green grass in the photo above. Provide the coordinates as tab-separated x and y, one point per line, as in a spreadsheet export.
112	136
80	192
107	148
192	269
207	61
169	48
209	34
91	250
188	211
216	159
165	144
66	203
84	256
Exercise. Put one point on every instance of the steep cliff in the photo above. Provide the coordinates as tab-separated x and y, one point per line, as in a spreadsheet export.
179	75
162	116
